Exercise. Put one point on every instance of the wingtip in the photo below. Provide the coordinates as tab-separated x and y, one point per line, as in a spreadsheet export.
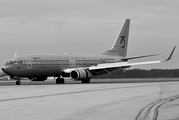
171	54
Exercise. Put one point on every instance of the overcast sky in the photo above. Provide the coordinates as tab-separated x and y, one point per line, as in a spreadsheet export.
89	26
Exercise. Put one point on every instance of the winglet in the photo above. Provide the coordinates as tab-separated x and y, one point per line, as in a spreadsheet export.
171	54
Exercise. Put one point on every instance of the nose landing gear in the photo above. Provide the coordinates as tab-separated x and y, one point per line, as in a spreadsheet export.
18	81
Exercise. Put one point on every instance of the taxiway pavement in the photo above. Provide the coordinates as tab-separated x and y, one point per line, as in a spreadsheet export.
96	101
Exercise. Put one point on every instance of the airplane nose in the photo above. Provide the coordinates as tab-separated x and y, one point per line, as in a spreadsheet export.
5	69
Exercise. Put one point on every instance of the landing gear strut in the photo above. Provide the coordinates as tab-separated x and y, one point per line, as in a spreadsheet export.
18	82
60	81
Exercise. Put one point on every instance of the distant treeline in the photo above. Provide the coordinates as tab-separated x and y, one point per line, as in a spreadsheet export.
140	73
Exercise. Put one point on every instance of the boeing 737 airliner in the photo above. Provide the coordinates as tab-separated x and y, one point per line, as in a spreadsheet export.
78	67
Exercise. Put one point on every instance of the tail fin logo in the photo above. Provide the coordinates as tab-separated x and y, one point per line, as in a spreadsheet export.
122	42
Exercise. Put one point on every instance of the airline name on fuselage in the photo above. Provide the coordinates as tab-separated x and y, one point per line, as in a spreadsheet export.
63	58
36	58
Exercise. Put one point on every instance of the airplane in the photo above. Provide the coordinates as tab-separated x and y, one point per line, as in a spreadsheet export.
76	66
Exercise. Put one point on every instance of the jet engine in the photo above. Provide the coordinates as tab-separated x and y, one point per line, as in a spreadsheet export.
81	74
39	78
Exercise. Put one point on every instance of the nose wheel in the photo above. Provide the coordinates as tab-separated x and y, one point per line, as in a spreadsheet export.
60	81
18	82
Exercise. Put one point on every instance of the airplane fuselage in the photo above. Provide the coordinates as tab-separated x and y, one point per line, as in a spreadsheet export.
52	65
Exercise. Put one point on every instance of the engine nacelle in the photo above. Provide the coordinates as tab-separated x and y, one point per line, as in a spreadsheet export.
39	78
81	74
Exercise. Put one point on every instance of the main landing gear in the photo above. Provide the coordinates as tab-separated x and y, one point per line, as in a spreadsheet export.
60	80
18	82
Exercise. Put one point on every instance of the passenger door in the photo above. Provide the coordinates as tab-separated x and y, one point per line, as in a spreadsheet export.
29	63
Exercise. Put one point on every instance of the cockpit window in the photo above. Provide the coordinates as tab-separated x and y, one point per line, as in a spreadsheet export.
10	62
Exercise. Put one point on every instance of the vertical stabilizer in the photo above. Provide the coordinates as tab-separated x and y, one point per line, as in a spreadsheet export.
120	46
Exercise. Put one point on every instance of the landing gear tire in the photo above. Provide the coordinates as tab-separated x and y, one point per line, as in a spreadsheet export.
60	81
85	81
18	82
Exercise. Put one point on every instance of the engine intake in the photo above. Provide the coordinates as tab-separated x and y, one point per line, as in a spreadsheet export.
81	74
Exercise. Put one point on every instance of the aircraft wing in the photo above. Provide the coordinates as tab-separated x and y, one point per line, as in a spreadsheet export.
120	64
107	67
127	64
